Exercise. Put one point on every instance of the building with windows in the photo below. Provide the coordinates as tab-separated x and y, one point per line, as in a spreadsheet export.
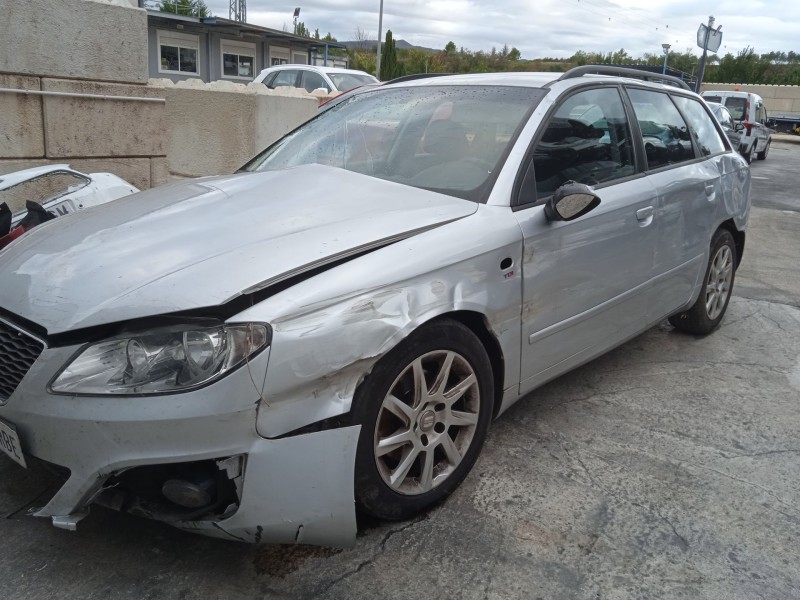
212	48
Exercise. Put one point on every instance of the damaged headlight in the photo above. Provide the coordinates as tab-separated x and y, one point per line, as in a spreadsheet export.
162	360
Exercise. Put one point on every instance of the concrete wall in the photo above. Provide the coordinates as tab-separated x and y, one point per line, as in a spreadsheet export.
74	89
101	40
777	98
214	128
84	66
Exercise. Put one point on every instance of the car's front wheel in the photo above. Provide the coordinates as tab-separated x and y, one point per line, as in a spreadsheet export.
424	412
707	312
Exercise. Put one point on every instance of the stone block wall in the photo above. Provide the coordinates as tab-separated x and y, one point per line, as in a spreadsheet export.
214	128
73	89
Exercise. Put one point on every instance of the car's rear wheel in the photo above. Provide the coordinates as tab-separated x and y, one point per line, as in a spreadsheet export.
424	412
748	156
707	312
763	154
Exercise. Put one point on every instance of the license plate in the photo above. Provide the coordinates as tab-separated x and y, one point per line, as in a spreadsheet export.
9	443
60	208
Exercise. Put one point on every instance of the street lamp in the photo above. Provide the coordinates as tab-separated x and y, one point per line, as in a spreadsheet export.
666	48
380	33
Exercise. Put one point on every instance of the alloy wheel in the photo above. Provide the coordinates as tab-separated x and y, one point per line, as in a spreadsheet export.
720	276
427	422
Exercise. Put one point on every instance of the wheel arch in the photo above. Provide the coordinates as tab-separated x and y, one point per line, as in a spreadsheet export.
478	324
738	238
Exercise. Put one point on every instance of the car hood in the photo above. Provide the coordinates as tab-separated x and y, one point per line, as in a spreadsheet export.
202	243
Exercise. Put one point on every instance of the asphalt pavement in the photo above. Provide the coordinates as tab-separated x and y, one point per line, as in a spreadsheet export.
667	468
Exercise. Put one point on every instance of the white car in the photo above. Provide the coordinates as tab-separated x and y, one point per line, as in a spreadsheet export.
58	189
748	110
313	78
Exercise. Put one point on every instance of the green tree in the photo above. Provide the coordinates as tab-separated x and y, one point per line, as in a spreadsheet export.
514	54
189	8
390	68
301	29
450	48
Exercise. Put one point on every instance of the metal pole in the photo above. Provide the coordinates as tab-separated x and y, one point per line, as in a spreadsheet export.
701	69
664	70
380	37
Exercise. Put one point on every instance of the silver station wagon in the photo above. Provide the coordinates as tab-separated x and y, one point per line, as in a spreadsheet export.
332	329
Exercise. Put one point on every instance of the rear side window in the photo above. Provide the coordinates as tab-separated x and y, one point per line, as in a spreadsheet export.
666	136
701	125
587	140
724	117
737	107
717	99
285	78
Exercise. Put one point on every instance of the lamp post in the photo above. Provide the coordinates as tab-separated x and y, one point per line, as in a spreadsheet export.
666	48
380	34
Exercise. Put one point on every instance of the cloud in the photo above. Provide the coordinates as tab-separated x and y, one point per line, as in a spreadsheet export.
539	28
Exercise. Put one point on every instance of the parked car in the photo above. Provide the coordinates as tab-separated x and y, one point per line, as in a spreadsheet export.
731	128
52	190
747	109
311	78
254	356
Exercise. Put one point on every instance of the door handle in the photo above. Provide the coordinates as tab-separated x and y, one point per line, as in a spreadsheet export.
709	189
643	214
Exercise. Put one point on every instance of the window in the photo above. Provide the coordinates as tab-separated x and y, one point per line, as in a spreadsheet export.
298	58
283	78
278	55
178	53
587	140
347	81
761	114
666	137
724	117
313	80
238	59
737	107
701	125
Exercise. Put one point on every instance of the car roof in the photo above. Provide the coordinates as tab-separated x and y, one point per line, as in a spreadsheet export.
730	93
314	68
531	79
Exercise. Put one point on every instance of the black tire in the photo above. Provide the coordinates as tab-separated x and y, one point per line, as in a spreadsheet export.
433	344
697	319
749	155
763	154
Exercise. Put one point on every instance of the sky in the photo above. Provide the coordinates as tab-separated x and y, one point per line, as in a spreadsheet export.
540	28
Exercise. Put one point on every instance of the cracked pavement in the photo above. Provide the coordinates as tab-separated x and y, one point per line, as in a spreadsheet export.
667	468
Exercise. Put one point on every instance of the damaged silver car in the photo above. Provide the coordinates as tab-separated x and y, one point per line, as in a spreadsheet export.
257	356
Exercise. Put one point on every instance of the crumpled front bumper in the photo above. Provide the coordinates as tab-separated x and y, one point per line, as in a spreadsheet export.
293	489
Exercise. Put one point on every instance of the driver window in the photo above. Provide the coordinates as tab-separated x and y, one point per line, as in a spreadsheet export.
313	81
587	140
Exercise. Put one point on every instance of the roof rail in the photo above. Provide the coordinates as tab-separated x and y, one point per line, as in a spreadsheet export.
623	72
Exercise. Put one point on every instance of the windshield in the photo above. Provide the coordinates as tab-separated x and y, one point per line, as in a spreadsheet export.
450	139
347	81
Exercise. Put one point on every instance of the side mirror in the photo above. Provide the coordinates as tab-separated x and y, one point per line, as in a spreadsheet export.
570	201
738	127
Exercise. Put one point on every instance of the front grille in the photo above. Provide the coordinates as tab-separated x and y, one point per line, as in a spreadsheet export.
18	352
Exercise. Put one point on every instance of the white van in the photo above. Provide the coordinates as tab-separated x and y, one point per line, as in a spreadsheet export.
750	114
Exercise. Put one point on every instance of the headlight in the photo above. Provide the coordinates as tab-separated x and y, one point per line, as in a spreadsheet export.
170	359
